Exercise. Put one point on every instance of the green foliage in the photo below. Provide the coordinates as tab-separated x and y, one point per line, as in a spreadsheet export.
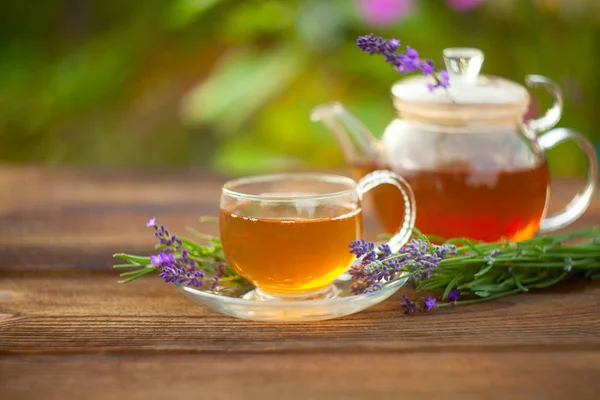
230	84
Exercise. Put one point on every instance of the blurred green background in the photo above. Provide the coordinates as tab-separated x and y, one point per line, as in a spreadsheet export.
229	84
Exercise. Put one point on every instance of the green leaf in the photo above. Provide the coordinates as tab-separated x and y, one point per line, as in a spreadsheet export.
484	270
133	259
468	244
519	284
131	273
143	272
550	282
487	298
136	265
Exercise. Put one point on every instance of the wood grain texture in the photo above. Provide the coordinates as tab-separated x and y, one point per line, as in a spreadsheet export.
93	314
454	375
68	330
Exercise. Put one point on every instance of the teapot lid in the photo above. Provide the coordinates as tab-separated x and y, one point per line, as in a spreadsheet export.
470	96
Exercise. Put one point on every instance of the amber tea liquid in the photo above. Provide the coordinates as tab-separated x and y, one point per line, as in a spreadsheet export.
289	254
461	203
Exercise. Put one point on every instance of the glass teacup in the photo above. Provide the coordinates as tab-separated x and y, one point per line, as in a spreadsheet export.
288	234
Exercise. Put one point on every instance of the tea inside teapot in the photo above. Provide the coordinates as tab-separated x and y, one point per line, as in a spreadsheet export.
460	201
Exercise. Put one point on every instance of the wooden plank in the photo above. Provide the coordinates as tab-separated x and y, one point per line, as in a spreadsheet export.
77	209
415	376
70	219
93	314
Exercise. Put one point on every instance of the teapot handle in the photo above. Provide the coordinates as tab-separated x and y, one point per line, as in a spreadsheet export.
552	116
581	201
381	177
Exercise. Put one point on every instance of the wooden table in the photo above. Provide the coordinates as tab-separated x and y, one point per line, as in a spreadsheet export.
69	331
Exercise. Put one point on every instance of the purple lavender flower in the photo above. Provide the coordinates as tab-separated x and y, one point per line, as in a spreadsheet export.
162	259
405	62
422	259
173	273
383	251
377	271
373	44
156	261
219	271
195	278
215	282
444	79
176	264
180	269
393	44
445	250
163	235
167	258
417	257
369	258
430	302
427	67
453	295
409	61
411	53
408	305
361	247
373	288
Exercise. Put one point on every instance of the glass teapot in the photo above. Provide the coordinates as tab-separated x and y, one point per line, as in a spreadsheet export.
477	167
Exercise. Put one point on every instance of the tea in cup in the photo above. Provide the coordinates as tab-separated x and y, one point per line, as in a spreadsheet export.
288	234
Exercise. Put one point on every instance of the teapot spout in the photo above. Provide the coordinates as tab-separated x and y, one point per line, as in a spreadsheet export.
357	142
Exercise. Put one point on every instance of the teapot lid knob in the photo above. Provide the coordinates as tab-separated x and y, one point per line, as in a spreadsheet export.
463	63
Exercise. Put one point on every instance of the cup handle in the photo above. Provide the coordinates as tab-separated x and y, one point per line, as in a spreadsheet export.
381	177
582	199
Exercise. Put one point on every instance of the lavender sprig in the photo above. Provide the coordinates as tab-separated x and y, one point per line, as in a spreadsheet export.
405	62
182	261
476	272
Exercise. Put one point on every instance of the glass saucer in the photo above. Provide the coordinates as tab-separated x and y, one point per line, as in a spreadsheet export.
241	303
